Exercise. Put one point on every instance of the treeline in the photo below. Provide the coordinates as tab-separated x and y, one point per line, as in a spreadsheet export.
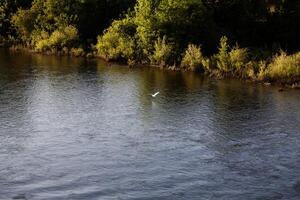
55	24
261	44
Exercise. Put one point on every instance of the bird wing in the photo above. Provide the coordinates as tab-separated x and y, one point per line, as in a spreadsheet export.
156	93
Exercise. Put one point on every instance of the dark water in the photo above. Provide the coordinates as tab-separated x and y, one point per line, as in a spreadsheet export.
72	129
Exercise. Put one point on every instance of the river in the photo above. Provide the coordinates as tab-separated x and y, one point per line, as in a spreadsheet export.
77	129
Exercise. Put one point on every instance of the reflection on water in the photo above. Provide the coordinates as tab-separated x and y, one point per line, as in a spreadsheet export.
77	129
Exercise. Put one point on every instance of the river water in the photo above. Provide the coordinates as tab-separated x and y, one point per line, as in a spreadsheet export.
77	129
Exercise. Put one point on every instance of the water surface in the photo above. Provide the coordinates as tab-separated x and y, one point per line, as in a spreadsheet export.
76	129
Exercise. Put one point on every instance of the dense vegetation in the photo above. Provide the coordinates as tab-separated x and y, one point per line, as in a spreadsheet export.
57	24
254	39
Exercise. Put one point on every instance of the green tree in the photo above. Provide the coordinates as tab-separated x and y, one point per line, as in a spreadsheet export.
7	9
89	17
185	21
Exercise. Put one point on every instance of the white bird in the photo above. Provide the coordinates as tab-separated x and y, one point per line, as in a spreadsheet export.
154	95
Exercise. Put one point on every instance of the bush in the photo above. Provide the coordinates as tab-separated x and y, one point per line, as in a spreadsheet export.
42	45
77	52
283	68
231	60
162	52
223	58
63	37
118	42
262	70
238	58
193	59
39	40
250	70
59	39
23	22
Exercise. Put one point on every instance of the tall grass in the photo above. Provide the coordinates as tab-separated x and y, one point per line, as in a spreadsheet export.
283	68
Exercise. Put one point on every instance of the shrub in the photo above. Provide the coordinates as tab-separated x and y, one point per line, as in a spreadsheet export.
118	42
230	60
59	39
23	22
193	59
262	72
283	68
77	52
223	58
251	70
162	52
210	64
39	40
42	45
63	37
238	58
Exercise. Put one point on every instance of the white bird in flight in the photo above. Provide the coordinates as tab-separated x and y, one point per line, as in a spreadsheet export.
154	95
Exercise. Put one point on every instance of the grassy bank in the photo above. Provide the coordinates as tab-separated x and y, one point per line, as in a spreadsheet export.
229	62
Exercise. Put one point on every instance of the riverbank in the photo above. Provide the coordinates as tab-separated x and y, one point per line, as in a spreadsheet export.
74	52
182	35
282	70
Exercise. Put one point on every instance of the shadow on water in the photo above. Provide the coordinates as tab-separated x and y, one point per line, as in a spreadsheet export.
72	128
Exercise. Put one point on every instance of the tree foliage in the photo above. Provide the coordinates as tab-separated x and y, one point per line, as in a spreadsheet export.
89	17
7	9
145	30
